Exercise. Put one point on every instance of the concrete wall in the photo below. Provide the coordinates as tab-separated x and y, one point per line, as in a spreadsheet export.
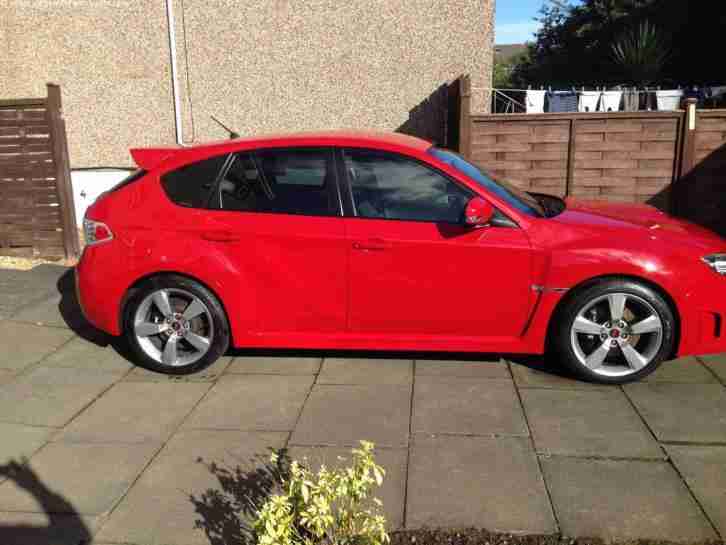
264	66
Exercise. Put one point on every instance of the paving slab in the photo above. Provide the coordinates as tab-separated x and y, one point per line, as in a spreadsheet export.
366	371
682	412
28	344
7	375
599	423
88	479
683	370
195	487
19	441
460	482
270	365
10	298
623	500
135	412
53	310
393	490
717	364
51	396
467	406
704	469
210	374
343	415
46	529
528	377
20	288
81	354
252	402
495	368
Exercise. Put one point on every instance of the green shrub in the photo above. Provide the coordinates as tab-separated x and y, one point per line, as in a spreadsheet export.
330	507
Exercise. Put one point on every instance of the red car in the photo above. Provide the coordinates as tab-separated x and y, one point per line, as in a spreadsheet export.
353	240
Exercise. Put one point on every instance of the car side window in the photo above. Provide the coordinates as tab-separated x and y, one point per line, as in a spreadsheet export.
283	181
390	186
192	185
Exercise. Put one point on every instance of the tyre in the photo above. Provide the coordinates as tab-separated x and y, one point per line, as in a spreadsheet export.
175	325
613	331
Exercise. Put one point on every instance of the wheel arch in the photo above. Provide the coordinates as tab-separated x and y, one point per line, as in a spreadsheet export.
573	291
157	274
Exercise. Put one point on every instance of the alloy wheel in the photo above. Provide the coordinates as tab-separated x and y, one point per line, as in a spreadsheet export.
616	334
173	327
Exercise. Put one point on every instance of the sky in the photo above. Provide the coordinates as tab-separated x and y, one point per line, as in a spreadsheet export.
515	20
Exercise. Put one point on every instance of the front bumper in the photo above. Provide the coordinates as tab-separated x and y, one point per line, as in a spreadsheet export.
703	323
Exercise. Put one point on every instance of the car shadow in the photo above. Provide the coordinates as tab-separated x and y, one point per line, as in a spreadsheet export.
70	310
65	524
539	363
225	513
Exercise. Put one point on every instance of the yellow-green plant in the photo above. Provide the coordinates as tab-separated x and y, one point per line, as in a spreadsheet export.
330	507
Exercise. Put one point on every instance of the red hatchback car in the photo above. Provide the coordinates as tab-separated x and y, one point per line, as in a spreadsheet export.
353	240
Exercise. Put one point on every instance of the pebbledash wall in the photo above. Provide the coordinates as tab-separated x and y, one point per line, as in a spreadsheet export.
264	66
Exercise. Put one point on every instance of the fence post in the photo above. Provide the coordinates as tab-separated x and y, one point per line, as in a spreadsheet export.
687	152
570	157
465	116
63	173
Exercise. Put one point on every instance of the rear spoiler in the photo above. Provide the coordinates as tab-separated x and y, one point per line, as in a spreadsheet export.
148	158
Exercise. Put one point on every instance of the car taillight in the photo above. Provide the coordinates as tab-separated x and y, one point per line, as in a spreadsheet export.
96	232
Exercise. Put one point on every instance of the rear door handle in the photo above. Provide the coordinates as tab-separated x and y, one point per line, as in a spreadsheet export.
373	244
220	236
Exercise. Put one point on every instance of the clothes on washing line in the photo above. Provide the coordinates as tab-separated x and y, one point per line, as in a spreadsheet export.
716	91
562	101
631	100
588	101
648	101
535	101
610	101
669	100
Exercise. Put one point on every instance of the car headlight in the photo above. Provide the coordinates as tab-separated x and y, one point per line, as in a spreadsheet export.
717	262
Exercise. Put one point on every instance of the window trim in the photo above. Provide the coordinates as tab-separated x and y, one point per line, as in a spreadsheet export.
353	213
333	191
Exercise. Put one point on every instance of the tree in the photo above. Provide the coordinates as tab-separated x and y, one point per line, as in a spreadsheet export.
641	54
575	43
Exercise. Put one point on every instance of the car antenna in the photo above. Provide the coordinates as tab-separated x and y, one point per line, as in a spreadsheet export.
232	134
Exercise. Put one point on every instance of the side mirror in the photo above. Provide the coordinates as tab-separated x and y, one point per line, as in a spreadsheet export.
478	212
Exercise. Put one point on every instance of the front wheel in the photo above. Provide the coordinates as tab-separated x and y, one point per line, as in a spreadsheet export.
614	331
175	325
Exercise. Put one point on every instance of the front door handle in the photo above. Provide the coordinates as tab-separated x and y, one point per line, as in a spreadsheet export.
373	244
220	236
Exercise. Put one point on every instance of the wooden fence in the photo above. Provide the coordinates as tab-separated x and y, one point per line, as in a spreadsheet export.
673	160
36	202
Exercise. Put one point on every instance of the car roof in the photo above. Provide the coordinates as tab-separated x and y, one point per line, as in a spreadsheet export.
147	158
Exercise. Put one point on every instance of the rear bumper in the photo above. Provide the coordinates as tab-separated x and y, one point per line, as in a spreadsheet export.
97	297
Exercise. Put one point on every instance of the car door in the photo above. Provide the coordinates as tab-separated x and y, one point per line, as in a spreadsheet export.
415	268
278	213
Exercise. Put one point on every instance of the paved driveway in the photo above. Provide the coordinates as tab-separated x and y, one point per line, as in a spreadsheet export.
130	456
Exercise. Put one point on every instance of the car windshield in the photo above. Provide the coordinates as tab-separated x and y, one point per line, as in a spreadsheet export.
514	196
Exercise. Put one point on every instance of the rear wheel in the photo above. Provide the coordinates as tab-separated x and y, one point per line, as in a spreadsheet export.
614	331
175	325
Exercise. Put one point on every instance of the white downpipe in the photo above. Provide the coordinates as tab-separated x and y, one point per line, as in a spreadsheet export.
174	74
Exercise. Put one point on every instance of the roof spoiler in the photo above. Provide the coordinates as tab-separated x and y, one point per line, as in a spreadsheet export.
148	158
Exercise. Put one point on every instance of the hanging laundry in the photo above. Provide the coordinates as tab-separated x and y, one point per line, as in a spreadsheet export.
631	100
562	101
535	101
610	101
648	100
588	101
669	100
717	91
